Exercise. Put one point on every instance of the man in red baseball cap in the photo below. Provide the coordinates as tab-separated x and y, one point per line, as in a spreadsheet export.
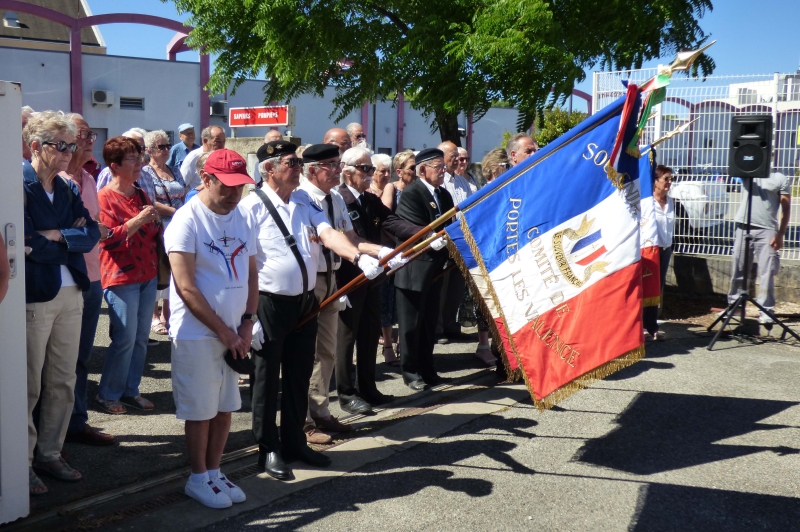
214	295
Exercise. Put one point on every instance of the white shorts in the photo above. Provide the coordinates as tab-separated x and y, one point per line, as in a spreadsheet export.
202	383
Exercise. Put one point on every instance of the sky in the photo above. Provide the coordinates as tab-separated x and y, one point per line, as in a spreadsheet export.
753	37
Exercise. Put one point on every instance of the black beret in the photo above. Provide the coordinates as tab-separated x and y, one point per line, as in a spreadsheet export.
428	154
320	152
274	149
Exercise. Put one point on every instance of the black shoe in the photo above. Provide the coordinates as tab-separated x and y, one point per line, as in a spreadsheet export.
434	379
417	385
274	466
355	405
309	456
442	340
378	398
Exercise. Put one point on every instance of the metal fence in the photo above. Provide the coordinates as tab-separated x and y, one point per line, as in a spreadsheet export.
707	198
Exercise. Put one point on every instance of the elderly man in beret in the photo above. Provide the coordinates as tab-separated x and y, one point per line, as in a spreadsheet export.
291	227
419	285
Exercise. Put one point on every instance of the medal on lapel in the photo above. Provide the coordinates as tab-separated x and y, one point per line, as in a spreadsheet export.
433	205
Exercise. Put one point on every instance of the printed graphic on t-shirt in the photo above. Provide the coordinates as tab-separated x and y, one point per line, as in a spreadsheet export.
229	248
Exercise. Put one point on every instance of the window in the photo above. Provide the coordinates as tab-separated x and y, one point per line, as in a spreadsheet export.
126	102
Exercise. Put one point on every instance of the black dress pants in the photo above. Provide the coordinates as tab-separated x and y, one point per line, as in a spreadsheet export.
294	349
417	314
359	328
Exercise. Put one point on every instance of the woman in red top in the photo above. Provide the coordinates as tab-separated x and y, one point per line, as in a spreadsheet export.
128	267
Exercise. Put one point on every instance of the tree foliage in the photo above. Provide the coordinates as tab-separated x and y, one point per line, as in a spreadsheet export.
451	56
555	122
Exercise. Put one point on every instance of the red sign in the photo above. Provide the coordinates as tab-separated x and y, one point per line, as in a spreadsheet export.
278	115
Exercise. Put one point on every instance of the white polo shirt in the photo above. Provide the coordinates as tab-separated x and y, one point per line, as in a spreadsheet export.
458	187
341	221
278	271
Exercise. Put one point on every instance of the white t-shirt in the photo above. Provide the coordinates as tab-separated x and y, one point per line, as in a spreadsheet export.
278	270
222	245
189	171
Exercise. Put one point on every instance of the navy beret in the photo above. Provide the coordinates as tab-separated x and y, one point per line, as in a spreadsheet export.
320	152
428	154
275	148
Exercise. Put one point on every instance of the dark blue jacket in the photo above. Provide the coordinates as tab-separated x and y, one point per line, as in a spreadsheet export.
43	264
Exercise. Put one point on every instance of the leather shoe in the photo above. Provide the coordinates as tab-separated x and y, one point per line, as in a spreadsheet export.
378	398
309	456
90	436
355	405
274	466
332	424
417	385
434	379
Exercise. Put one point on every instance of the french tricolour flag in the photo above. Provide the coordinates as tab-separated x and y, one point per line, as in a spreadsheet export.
648	233
552	251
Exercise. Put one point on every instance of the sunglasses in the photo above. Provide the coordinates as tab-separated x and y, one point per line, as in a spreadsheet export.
160	147
62	146
138	158
463	159
366	168
83	135
291	163
361	136
330	166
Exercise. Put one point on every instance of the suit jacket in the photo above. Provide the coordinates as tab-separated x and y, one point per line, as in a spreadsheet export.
367	219
417	208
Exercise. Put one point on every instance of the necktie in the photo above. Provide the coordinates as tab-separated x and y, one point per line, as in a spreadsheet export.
436	197
329	257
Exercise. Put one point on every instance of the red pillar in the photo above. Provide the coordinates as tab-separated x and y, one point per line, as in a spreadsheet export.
365	118
401	117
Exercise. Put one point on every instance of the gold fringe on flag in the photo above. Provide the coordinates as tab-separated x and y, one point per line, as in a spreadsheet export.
633	152
601	372
651	301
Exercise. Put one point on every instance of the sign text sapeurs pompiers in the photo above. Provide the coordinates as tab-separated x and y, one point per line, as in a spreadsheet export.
278	115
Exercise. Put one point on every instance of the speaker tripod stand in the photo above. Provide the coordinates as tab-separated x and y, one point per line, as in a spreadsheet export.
744	296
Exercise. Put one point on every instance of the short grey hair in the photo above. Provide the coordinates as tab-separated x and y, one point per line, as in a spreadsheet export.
352	155
200	163
152	137
44	126
381	159
513	142
463	151
27	111
74	116
262	166
206	133
351	127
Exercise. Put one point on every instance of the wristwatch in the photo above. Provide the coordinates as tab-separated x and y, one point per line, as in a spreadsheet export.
251	317
356	258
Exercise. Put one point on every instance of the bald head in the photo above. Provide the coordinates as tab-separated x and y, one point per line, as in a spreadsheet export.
272	134
339	137
450	151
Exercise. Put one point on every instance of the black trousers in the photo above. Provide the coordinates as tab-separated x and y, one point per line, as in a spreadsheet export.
417	313
359	328
453	292
294	349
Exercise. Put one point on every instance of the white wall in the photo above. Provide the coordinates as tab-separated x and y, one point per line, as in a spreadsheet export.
44	76
488	131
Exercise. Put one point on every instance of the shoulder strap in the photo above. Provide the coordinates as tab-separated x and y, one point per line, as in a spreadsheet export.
288	237
163	186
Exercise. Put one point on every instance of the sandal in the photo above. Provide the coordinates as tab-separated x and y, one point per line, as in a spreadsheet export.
110	407
138	402
390	357
59	469
159	328
35	484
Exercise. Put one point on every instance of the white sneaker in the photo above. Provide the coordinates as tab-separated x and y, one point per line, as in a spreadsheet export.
230	489
208	494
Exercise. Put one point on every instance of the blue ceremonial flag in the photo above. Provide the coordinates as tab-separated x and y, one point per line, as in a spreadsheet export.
551	250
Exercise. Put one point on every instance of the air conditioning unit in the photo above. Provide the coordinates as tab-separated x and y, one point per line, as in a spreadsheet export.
218	109
100	97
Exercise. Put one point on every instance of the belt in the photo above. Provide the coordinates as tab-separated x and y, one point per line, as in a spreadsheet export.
281	297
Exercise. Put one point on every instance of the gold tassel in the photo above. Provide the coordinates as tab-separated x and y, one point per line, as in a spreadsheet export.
651	301
633	152
601	372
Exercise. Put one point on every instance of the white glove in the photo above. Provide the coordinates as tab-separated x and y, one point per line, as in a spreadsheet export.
395	262
369	266
257	342
438	244
344	303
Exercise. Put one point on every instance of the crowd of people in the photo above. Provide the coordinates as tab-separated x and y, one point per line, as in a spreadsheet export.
179	240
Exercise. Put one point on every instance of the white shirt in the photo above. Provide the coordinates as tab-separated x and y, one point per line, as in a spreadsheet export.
278	271
222	245
432	190
189	171
341	222
665	222
356	194
458	187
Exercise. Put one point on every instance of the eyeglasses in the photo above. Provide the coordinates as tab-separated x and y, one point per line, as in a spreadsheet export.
437	167
463	159
366	168
86	134
412	168
361	136
138	158
62	146
160	147
291	163
504	166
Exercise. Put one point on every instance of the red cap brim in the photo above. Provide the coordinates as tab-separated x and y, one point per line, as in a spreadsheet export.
234	179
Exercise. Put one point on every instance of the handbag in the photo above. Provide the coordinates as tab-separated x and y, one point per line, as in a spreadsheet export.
164	271
242	366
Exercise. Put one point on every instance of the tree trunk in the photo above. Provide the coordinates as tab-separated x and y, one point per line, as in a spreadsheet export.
447	122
